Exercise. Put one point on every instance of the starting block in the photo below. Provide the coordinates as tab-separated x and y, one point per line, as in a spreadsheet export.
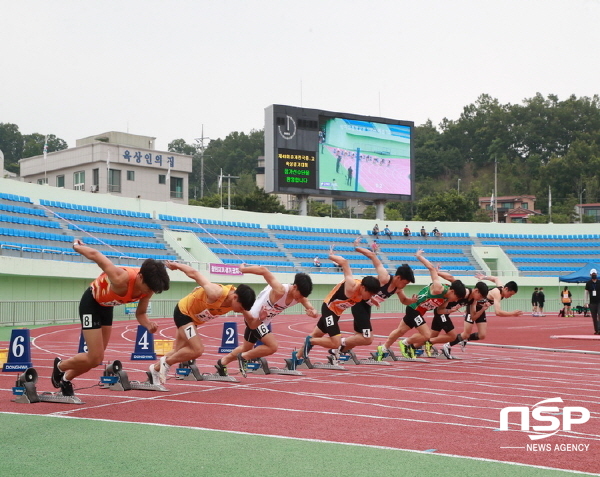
188	371
116	379
350	358
261	366
26	391
393	357
308	364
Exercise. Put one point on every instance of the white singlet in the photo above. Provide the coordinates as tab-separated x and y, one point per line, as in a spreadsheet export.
264	310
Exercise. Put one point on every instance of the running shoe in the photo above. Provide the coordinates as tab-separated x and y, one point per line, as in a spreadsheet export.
307	346
407	350
154	374
333	360
382	352
57	374
164	370
66	388
463	345
243	365
446	350
295	362
221	368
430	350
335	353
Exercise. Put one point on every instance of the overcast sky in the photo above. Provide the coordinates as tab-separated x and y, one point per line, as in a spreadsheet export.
168	68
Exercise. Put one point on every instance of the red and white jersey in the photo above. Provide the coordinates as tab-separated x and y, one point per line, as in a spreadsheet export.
265	310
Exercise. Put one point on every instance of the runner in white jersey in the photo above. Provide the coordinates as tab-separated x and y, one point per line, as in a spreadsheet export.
269	303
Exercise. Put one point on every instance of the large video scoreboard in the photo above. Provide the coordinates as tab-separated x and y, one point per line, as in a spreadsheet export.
315	152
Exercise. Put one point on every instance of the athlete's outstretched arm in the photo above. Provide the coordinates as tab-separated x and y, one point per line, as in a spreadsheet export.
436	285
350	283
213	290
489	278
382	274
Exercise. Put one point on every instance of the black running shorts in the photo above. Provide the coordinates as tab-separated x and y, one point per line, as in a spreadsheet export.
92	314
362	318
441	323
328	323
412	318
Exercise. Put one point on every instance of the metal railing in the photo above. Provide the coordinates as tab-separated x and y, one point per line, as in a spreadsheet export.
36	313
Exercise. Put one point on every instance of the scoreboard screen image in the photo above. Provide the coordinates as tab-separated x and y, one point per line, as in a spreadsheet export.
323	153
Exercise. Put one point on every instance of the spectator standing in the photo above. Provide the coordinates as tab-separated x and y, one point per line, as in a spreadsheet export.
406	231
388	232
591	293
534	302
541	298
566	299
423	231
374	246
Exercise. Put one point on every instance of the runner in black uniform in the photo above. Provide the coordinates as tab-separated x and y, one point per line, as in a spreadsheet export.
441	316
494	297
429	298
389	285
343	296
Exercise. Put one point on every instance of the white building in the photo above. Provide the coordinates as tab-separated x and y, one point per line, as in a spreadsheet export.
116	163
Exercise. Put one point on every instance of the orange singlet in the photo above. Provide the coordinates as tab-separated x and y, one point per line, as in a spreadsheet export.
198	309
105	296
338	302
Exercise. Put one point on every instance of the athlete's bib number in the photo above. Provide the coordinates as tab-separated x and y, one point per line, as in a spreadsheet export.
419	321
366	333
190	331
262	330
468	318
329	321
86	321
443	318
205	316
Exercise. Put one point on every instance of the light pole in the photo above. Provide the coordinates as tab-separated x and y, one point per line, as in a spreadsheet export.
458	187
580	206
201	147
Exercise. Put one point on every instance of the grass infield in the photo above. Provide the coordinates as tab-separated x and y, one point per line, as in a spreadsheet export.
55	446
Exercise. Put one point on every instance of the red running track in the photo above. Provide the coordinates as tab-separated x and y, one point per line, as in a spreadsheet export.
442	406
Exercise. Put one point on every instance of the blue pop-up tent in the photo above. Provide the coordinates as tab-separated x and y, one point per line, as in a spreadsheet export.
580	276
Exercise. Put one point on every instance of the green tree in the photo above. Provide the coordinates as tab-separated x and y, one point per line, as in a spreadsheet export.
33	144
236	154
447	206
259	201
11	144
181	147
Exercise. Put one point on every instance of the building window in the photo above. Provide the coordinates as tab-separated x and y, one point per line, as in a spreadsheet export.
60	181
340	204
114	180
176	187
162	179
525	206
506	205
130	175
42	181
79	180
